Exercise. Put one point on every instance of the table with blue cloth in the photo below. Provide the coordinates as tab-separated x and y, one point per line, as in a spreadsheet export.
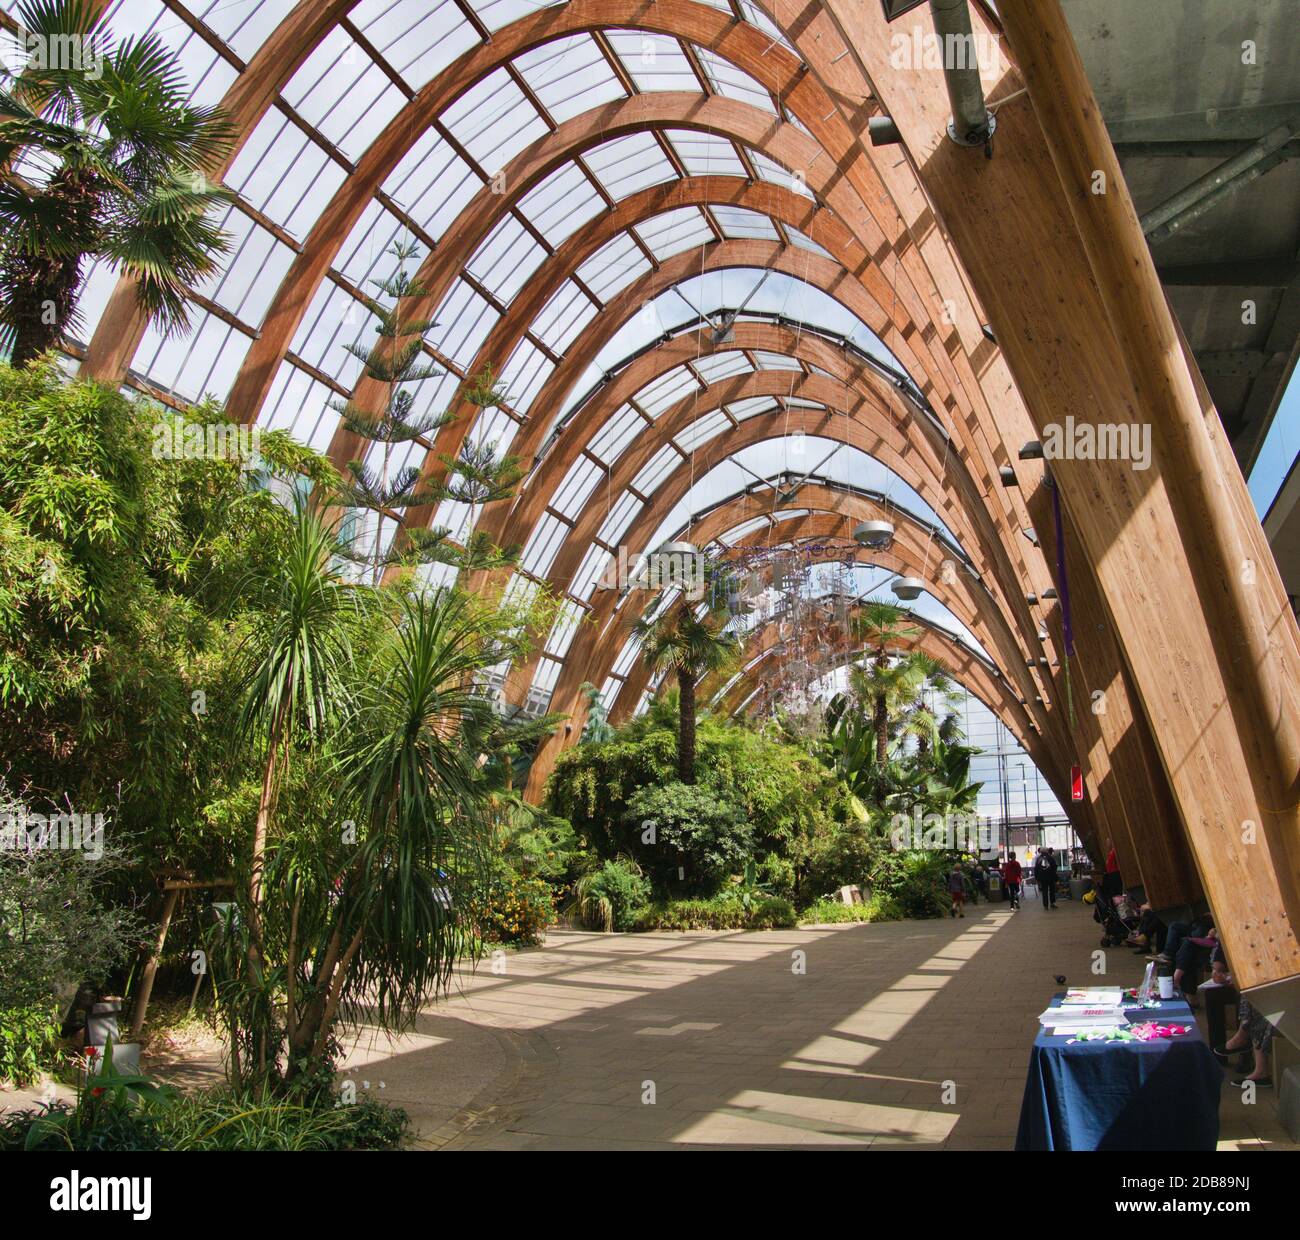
1157	1095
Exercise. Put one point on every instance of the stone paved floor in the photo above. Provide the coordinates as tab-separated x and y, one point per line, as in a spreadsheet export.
742	1050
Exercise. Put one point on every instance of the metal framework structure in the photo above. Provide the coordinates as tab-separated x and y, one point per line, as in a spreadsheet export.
662	224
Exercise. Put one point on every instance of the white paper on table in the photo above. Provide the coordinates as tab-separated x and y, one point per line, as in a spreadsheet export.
1099	996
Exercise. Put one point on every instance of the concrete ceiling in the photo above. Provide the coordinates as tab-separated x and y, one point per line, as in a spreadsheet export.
1179	98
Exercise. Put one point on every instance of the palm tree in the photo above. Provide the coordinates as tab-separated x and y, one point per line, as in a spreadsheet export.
948	785
408	760
299	654
692	646
889	686
104	159
935	688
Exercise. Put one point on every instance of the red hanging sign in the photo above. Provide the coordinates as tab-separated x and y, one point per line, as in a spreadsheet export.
1076	783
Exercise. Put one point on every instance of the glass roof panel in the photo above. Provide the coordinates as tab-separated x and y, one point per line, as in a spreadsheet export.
256	264
461	324
667	390
245	27
281	172
202	362
627	657
563	317
654	61
523	375
561	204
299	404
543	545
656	469
363	255
609	442
506	259
702	430
497	13
615	265
207	73
417	38
632	162
751	407
716	366
334	319
705	154
775	361
432	183
593	567
570	76
618	518
567	619
734	83
577	487
674	231
494	121
737	222
756	17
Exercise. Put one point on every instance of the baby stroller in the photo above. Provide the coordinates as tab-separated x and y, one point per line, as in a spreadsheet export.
1117	921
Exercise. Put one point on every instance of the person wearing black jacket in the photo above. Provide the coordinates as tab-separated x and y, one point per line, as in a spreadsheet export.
1045	877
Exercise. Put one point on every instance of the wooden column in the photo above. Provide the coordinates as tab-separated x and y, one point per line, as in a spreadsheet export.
1075	305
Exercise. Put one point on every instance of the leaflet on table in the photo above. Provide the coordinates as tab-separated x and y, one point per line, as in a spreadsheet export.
1097	996
1101	1026
1072	1016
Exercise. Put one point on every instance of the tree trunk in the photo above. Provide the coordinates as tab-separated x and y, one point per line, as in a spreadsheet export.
686	727
151	967
265	804
40	289
880	725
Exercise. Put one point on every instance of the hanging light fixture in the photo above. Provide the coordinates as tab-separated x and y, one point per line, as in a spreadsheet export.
908	588
875	534
1031	451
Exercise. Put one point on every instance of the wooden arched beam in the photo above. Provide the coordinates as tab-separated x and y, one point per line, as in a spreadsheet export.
962	510
907	446
1218	682
835	512
598	642
715	115
875	221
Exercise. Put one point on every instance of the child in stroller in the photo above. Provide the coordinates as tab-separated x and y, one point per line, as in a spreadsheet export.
1118	917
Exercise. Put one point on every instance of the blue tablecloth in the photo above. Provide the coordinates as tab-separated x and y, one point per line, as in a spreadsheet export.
1160	1095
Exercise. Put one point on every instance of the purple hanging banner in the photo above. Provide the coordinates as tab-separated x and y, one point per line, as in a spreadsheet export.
1062	582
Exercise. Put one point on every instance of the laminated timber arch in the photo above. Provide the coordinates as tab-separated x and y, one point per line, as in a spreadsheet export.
598	645
743	123
869	431
1084	327
909	445
1184	583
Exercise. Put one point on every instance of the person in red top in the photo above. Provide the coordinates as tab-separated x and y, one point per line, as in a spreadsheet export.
1112	885
1011	879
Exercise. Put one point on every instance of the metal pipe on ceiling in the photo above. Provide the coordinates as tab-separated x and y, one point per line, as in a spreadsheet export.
972	123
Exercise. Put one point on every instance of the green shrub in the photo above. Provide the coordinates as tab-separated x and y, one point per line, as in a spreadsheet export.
214	1120
612	897
914	882
519	910
833	912
882	908
722	912
29	1042
772	913
699	837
